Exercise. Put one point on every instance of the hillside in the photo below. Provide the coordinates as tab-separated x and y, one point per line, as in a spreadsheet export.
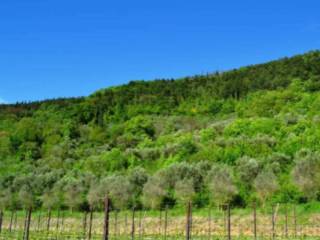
245	134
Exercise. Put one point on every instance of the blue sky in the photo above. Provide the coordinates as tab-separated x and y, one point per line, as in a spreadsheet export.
61	48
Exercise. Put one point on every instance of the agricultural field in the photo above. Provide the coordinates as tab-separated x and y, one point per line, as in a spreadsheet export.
278	222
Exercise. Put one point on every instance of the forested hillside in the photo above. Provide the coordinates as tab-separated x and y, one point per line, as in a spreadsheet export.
236	136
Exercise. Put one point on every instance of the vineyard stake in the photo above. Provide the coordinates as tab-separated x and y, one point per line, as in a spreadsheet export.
273	223
133	224
165	223
39	220
1	220
11	221
255	220
85	224
189	219
286	221
295	221
106	218
49	220
28	224
140	224
229	221
90	223
209	222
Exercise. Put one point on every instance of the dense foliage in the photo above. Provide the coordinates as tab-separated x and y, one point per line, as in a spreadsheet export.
237	136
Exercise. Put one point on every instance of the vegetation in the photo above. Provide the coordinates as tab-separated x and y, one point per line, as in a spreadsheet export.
228	137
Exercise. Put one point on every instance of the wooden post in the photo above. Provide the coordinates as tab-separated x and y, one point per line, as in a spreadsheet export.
189	221
58	221
273	220
255	221
106	218
126	224
140	224
11	221
90	223
295	221
62	220
229	221
160	222
286	221
133	224
15	220
48	220
116	222
39	221
85	217
209	223
28	224
25	226
1	220
165	223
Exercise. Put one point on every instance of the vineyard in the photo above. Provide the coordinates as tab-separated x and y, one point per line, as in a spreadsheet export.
276	222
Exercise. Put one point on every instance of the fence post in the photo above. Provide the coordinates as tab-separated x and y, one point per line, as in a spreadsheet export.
1	220
286	221
165	223
140	224
255	221
11	221
229	221
133	224
106	218
49	220
189	221
295	221
116	223
273	216
160	221
209	223
39	220
85	217
58	219
90	223
28	224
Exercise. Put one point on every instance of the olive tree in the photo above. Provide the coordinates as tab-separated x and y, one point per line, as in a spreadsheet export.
184	190
266	185
306	173
153	192
119	190
221	184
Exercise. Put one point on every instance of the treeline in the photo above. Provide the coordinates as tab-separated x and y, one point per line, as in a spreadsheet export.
249	180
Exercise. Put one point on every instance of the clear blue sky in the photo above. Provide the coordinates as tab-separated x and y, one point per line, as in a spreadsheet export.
59	48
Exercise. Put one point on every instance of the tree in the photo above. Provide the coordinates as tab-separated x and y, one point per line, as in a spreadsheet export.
117	188
247	169
153	192
306	173
266	185
184	190
221	184
73	194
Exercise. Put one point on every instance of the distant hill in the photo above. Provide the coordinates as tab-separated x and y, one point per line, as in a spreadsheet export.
255	129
